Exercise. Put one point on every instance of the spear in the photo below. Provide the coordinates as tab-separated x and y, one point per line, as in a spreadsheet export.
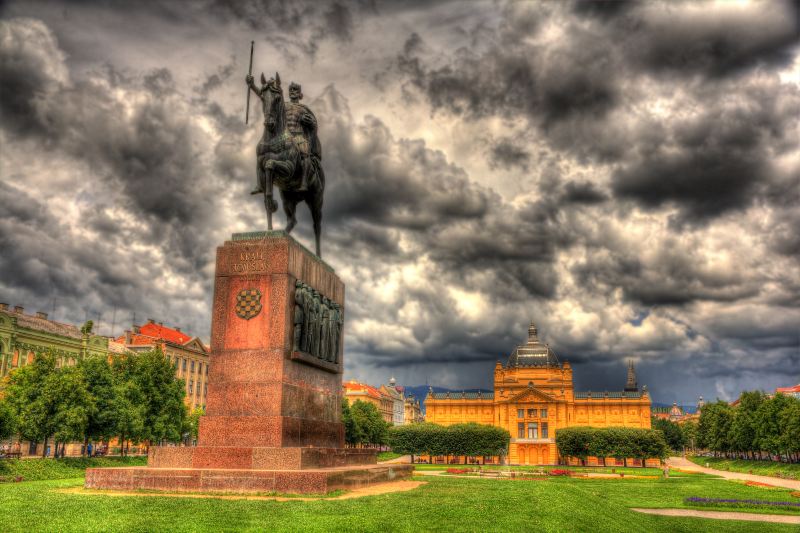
249	73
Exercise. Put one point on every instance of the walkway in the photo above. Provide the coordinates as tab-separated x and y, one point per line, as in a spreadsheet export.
723	515
685	464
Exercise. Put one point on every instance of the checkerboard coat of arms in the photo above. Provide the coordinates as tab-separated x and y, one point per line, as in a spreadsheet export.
248	303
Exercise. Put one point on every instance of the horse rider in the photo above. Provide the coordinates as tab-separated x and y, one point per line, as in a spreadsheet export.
302	126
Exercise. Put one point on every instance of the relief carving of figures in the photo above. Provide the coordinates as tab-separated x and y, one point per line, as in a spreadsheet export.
317	324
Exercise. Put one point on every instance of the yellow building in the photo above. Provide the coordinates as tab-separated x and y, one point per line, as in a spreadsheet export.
353	391
533	398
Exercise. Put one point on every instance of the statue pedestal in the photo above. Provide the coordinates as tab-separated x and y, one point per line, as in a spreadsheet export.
273	411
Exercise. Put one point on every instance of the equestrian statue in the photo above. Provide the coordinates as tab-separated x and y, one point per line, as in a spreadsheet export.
289	153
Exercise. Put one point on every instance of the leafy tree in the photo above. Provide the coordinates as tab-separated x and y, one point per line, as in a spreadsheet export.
715	424
193	422
743	432
69	403
574	442
162	395
673	434
769	430
102	414
372	428
352	432
601	445
7	422
689	429
790	424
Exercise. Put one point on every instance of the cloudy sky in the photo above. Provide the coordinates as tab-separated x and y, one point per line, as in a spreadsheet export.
625	174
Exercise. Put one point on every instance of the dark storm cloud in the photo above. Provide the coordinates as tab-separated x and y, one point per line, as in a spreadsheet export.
652	210
290	25
720	159
507	153
584	192
701	38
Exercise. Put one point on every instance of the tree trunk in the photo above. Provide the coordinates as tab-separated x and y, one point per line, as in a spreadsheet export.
44	448
625	462
85	446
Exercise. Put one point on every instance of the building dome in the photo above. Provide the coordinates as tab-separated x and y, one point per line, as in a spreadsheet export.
533	353
392	381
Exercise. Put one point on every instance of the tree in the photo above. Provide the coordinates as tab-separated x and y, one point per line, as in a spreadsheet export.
102	418
25	397
743	431
352	432
790	432
715	424
162	395
674	436
372	428
770	429
70	402
574	442
193	422
7	422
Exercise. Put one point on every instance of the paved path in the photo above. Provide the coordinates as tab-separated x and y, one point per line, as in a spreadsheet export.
723	515
685	464
403	459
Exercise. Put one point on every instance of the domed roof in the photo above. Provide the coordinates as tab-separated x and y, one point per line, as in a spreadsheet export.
533	353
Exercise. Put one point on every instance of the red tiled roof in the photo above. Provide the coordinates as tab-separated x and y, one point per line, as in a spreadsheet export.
356	387
785	390
158	331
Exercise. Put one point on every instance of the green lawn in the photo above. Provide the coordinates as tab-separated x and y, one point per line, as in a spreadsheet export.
443	504
761	468
388	456
580	469
36	469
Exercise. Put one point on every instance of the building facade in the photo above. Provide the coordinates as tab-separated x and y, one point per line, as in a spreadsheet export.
354	391
395	394
188	354
24	336
534	397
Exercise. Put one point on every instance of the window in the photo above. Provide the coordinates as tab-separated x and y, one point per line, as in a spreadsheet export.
520	430
544	430
200	368
192	368
520	413
184	365
206	370
205	390
531	413
533	430
191	386
544	413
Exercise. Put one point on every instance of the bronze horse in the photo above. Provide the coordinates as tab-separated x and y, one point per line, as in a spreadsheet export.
279	163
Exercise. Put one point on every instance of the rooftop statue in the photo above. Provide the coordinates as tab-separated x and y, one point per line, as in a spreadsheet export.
289	153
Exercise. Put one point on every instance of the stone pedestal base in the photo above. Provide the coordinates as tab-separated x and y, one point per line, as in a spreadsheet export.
290	458
310	481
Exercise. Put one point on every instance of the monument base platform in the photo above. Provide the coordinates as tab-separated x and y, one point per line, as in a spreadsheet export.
258	458
310	481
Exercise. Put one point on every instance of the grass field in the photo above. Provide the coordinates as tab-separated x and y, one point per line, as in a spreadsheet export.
636	471
388	456
36	469
761	468
443	504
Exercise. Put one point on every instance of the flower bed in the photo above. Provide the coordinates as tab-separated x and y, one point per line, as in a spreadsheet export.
458	471
558	472
750	504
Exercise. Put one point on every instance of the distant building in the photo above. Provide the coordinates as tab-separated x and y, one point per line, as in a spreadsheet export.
789	391
23	337
533	398
398	401
413	410
678	414
188	354
354	391
394	406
